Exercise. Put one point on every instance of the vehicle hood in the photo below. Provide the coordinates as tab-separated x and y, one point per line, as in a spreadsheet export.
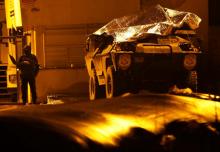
156	20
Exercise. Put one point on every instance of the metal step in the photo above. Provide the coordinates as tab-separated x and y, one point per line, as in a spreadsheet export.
2	72
3	83
3	67
3	75
3	91
5	95
3	79
7	101
8	97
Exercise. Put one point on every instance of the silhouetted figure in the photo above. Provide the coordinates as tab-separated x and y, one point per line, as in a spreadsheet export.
29	67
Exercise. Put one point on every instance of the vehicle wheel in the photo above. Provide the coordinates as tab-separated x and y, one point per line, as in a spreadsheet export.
110	85
94	88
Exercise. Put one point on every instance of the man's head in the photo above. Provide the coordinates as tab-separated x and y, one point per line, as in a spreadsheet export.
27	50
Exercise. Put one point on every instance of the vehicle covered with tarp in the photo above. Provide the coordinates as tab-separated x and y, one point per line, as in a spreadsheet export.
155	47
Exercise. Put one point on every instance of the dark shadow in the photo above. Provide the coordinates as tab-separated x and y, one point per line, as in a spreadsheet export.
26	134
80	89
139	140
29	134
76	92
190	136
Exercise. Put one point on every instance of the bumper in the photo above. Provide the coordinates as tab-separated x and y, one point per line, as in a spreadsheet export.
158	68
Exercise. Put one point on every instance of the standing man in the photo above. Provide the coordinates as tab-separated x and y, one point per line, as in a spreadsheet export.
29	68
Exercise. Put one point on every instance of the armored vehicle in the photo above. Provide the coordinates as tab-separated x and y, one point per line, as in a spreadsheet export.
155	47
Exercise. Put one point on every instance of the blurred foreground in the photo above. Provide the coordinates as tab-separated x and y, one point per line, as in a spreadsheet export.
142	122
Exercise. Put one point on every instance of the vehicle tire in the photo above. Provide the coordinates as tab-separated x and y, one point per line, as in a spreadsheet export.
94	88
110	84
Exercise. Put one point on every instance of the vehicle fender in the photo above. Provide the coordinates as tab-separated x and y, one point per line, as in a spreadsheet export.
109	61
90	66
113	57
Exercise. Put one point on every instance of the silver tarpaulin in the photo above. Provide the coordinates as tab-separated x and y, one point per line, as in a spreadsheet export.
157	20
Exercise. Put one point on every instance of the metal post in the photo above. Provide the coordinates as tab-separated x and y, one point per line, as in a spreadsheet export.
18	74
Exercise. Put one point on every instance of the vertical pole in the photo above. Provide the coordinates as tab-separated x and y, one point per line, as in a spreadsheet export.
44	53
29	94
29	42
216	112
18	74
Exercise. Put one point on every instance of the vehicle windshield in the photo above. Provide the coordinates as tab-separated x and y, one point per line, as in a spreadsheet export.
156	20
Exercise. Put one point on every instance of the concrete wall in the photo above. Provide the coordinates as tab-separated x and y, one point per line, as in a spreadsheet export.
64	81
43	15
3	49
57	12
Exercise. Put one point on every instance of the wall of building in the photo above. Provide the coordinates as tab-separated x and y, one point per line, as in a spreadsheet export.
62	81
62	26
70	12
3	48
46	15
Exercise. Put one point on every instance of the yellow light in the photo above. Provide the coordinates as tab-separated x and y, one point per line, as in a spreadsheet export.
80	140
13	13
109	129
200	108
113	128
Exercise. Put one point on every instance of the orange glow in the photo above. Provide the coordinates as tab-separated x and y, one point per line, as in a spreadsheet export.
111	127
203	108
109	131
7	108
80	140
207	96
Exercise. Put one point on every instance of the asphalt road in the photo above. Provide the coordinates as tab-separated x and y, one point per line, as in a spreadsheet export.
105	121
